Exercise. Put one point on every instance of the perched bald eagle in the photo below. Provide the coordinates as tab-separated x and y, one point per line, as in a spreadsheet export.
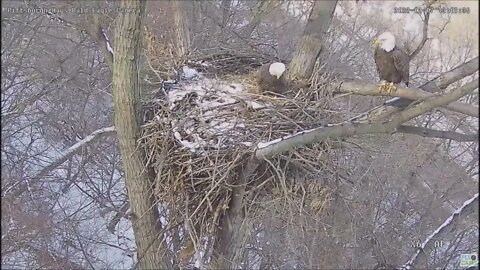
393	64
271	78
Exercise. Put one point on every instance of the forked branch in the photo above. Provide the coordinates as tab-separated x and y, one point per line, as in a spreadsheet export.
348	129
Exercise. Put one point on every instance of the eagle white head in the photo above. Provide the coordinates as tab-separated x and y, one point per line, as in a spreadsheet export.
386	41
277	69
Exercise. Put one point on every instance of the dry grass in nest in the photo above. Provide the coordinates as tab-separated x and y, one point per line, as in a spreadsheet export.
197	185
248	81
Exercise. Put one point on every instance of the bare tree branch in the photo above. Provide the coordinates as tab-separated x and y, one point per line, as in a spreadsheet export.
432	133
348	129
74	149
444	80
225	6
365	89
426	18
68	153
466	208
97	33
263	6
94	30
436	85
122	212
228	244
310	44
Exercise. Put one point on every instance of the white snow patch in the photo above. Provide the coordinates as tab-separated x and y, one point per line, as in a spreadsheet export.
109	47
254	105
261	145
209	110
339	11
189	73
408	265
391	100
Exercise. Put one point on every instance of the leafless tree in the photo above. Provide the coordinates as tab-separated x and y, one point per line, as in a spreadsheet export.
397	186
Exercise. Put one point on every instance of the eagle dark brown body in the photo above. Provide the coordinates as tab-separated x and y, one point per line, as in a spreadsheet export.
392	66
269	83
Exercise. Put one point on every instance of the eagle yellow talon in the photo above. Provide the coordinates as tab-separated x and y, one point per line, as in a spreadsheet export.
391	88
383	86
393	64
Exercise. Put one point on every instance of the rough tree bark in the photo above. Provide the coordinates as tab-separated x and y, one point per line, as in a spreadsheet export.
230	237
262	7
310	44
126	98
94	25
225	7
229	242
182	32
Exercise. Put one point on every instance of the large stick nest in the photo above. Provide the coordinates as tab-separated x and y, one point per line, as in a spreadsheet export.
200	134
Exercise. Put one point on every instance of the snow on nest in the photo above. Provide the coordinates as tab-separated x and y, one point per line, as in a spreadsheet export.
207	114
189	73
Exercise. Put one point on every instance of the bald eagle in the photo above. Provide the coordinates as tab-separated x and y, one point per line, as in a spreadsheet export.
393	64
271	78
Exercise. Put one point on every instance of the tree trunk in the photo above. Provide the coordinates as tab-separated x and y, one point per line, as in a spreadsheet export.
126	98
231	235
262	7
182	32
225	6
229	247
309	46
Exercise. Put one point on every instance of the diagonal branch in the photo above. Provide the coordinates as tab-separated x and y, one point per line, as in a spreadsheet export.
365	89
74	149
442	81
348	129
263	6
68	153
463	211
433	133
95	31
122	212
436	85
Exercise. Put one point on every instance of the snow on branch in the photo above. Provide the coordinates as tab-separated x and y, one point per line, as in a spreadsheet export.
348	129
69	152
466	208
97	33
359	88
109	47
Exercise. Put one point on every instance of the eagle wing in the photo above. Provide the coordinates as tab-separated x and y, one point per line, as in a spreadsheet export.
375	57
401	61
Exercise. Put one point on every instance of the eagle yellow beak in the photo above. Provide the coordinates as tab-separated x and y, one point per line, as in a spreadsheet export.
376	42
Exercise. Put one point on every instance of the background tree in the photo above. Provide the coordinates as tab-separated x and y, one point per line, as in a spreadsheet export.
64	200
182	33
126	100
312	40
